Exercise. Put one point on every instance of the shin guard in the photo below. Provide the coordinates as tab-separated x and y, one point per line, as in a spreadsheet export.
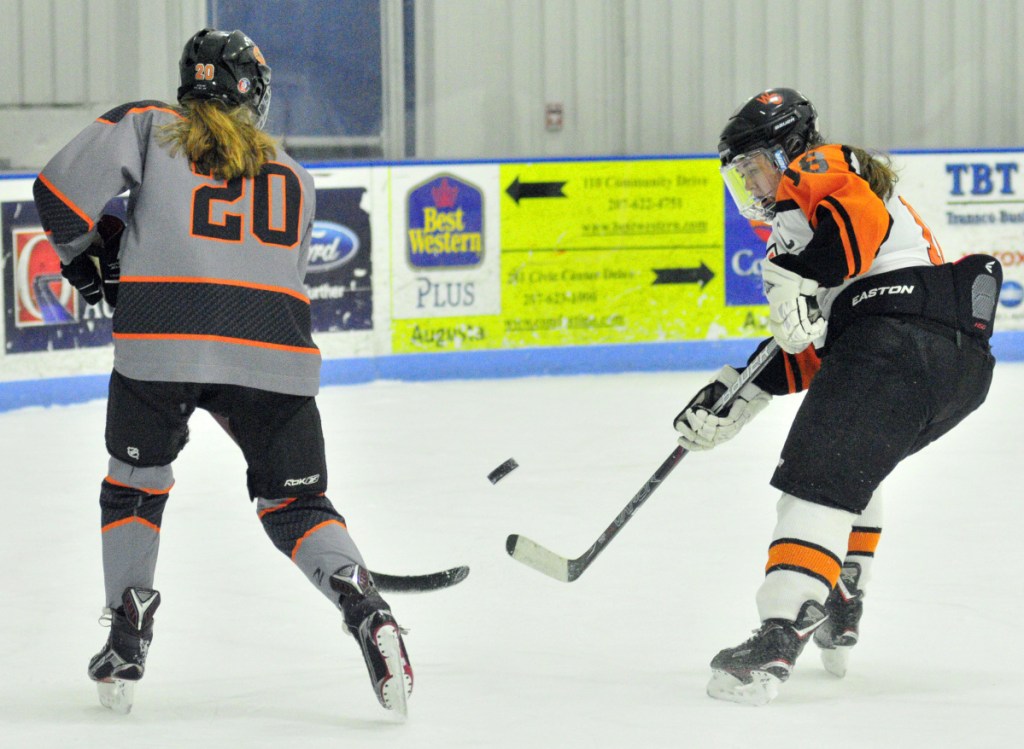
312	534
130	520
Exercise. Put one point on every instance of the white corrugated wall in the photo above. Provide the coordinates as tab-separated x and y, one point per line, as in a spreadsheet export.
63	62
632	76
661	76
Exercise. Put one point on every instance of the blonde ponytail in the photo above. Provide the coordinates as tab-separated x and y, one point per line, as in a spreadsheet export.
877	169
223	142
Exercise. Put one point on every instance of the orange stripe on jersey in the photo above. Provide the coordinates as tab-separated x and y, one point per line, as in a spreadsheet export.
799	556
809	363
216	281
864	541
800	369
139	110
934	250
67	201
214	338
822	180
118	523
310	532
143	489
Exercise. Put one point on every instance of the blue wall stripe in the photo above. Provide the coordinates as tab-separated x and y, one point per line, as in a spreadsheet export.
569	360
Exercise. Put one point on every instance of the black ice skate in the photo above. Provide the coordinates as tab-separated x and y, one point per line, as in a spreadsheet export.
751	673
369	620
840	633
122	661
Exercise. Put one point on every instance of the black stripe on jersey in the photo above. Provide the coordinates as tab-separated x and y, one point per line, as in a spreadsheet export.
56	216
117	114
848	157
247	314
793	175
854	247
794	366
786	205
888	231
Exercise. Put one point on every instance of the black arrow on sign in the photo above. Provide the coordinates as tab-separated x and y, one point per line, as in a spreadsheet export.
519	190
700	275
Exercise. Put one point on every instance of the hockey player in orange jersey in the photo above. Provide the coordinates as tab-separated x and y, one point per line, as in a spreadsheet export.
891	345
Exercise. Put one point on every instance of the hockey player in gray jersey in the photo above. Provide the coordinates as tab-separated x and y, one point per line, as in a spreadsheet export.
891	345
211	313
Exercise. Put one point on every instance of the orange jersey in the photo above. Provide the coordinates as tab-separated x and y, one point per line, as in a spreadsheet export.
829	226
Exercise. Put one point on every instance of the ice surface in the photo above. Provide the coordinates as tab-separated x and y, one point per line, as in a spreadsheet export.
248	654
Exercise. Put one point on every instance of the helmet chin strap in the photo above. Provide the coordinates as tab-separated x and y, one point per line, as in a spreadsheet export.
781	158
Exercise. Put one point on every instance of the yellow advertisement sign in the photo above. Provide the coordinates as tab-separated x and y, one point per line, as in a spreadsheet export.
600	252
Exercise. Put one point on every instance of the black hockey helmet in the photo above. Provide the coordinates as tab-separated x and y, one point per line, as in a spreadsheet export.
777	118
227	66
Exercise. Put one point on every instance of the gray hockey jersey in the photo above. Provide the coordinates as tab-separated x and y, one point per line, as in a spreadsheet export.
211	270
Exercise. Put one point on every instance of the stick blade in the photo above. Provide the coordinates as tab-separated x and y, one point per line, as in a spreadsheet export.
420	583
536	556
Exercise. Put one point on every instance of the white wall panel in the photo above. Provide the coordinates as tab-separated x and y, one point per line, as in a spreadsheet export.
10	52
632	76
69	53
105	68
877	67
36	44
687	112
524	77
596	113
66	61
883	73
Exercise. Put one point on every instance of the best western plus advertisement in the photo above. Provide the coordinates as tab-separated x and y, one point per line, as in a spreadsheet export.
590	252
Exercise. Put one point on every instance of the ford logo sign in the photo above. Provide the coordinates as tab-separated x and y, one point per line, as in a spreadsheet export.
332	245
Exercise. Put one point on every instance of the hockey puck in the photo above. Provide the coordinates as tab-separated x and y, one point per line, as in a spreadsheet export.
502	471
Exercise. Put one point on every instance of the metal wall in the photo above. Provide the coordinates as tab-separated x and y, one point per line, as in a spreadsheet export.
661	76
631	76
64	62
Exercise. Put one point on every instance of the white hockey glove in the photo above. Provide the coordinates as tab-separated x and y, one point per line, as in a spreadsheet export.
703	430
793	318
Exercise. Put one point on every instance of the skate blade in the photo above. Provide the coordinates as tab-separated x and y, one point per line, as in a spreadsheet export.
116	695
395	690
763	688
836	660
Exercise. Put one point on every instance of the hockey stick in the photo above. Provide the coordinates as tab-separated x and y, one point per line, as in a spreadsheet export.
420	583
553	565
391	583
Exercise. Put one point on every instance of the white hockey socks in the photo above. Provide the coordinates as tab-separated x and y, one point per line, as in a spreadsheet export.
806	554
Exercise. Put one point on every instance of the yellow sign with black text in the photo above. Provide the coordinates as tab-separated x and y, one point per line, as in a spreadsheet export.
601	252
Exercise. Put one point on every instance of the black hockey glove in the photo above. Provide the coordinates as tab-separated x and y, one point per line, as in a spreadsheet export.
96	273
108	253
82	274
